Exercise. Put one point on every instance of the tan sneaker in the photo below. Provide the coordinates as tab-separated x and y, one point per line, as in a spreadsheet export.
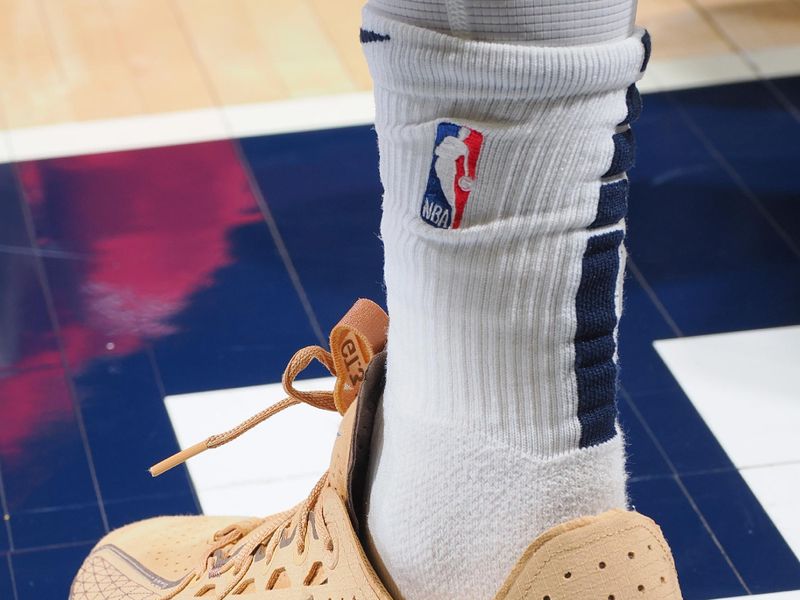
314	550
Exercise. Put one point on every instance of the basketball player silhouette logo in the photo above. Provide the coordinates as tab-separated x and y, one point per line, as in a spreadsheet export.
452	175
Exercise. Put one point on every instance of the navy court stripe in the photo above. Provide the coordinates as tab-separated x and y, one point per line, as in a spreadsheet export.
595	346
612	205
624	153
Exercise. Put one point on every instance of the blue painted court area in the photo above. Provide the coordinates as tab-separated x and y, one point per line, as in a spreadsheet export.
133	275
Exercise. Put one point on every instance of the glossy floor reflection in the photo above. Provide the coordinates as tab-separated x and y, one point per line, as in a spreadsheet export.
131	276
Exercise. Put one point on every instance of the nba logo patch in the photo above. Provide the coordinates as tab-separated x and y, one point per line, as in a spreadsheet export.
452	175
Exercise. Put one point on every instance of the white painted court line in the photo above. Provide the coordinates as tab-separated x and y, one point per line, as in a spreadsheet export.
268	469
746	386
325	112
111	135
776	62
776	488
303	114
683	73
185	127
5	147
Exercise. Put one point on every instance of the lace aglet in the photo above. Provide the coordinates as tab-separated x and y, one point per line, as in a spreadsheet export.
177	459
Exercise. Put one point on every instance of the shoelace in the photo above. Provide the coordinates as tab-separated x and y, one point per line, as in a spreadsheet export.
270	530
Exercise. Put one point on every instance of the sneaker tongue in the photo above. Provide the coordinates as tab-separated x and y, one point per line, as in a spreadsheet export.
354	341
350	460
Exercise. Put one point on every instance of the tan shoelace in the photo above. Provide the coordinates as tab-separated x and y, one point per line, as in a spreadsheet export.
271	529
319	399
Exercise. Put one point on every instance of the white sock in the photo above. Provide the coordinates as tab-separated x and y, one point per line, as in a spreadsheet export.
505	192
550	22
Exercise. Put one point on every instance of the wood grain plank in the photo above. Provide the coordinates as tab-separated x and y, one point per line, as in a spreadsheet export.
99	81
228	47
341	20
162	62
757	24
679	30
299	48
34	89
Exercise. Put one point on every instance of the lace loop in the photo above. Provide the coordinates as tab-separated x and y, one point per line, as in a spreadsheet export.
269	531
318	399
305	510
220	540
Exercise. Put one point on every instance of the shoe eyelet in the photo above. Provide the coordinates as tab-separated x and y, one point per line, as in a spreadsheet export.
300	557
331	557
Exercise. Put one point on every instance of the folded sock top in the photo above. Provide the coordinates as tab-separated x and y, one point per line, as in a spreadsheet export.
542	22
419	61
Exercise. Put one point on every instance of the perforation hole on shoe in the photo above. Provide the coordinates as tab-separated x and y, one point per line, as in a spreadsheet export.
546	598
611	597
246	587
640	587
279	580
631	555
317	575
209	587
602	565
567	575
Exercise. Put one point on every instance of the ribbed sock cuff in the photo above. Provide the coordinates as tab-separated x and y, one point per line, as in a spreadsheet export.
542	22
411	60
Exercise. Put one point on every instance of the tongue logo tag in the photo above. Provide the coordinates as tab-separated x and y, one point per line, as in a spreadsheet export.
351	355
354	359
354	341
452	175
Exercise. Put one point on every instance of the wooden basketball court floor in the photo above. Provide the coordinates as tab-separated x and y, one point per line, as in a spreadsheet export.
80	60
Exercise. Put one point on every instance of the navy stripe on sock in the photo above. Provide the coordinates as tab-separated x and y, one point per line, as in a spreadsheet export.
595	369
367	36
612	205
624	153
633	99
648	48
